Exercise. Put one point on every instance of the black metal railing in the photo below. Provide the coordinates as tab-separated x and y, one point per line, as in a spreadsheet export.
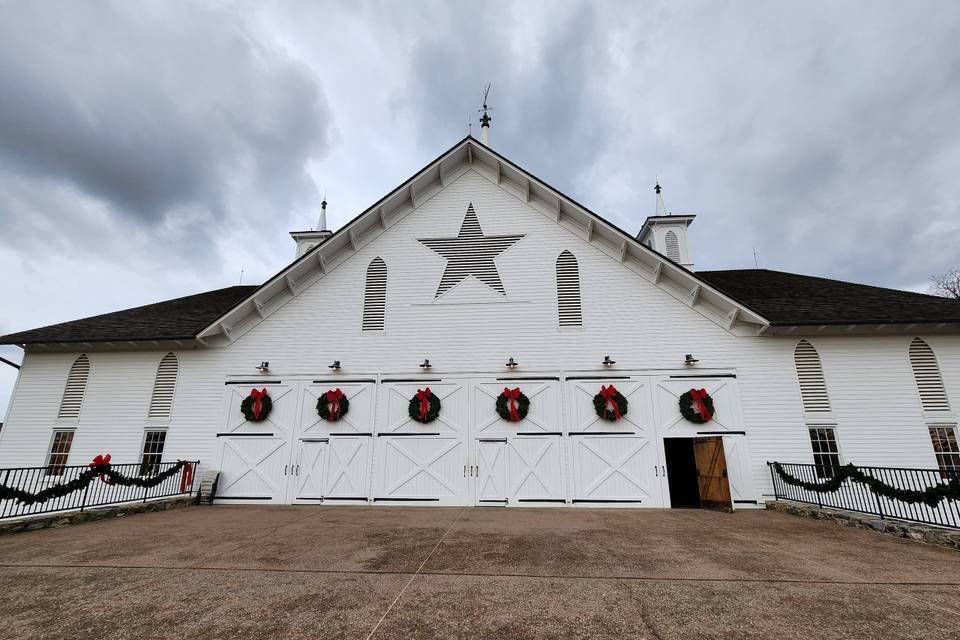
97	493
857	496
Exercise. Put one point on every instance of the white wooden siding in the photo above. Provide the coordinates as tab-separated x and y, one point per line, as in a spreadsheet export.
872	392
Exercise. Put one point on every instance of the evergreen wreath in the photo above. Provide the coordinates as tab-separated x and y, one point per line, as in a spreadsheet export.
415	409
326	402
81	481
692	409
520	402
931	496
609	396
249	405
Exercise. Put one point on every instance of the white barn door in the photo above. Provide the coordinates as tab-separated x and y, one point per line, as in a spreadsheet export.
491	474
415	462
255	463
618	462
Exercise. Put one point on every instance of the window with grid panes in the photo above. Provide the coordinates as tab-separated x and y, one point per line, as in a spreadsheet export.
826	454
946	449
59	452
152	452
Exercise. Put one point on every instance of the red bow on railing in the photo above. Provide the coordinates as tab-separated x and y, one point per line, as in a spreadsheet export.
423	395
698	396
610	395
258	397
513	395
101	461
333	397
186	478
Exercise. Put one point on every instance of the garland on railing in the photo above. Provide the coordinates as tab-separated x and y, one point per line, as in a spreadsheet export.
931	496
102	469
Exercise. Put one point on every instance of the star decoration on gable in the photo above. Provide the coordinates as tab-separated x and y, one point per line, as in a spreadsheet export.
470	254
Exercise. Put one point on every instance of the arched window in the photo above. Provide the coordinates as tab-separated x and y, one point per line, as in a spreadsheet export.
163	387
76	385
672	245
926	373
813	386
568	290
375	295
813	393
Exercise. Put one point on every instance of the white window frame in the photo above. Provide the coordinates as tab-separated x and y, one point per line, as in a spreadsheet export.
832	427
936	455
143	445
49	457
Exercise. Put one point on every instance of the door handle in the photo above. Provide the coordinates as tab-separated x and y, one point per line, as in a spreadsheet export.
464	471
656	470
298	470
664	470
285	469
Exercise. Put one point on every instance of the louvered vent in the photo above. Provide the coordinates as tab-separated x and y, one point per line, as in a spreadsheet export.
672	245
933	395
76	385
813	386
375	296
568	290
163	386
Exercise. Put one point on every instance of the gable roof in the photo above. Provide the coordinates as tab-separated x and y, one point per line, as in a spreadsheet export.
471	154
177	319
789	299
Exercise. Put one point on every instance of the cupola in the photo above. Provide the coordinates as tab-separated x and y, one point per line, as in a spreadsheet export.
307	240
667	233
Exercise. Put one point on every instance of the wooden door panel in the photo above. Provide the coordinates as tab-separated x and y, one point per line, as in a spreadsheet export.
712	473
254	468
491	478
543	414
359	418
348	465
535	469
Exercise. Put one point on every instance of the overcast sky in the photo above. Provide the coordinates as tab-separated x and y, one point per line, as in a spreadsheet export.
152	150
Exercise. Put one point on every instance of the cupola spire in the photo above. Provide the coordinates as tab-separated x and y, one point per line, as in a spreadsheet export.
661	209
322	222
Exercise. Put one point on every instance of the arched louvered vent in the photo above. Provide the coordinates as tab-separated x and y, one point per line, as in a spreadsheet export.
375	295
813	386
672	246
933	395
76	385
568	290
163	386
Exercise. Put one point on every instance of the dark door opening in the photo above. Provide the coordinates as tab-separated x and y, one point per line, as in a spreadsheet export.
681	472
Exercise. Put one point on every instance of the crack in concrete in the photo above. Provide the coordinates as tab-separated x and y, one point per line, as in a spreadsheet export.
447	574
415	574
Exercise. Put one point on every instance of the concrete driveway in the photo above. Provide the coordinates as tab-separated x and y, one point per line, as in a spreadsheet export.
358	572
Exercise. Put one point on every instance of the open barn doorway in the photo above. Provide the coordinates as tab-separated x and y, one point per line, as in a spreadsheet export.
681	473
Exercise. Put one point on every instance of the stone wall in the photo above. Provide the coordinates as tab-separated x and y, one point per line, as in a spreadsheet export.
941	536
65	518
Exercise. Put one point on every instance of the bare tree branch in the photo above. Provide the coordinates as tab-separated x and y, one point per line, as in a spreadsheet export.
946	284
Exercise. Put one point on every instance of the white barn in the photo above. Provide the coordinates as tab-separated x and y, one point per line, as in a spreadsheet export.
499	281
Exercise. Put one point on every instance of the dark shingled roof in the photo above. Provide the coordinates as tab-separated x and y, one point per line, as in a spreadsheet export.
791	299
178	319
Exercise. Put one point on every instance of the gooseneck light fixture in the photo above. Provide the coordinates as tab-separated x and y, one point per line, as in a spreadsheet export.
607	362
689	360
264	367
335	366
425	364
512	364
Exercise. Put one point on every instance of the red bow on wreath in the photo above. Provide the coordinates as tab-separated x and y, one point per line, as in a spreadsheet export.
513	395
334	397
258	397
423	395
101	461
610	395
698	396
